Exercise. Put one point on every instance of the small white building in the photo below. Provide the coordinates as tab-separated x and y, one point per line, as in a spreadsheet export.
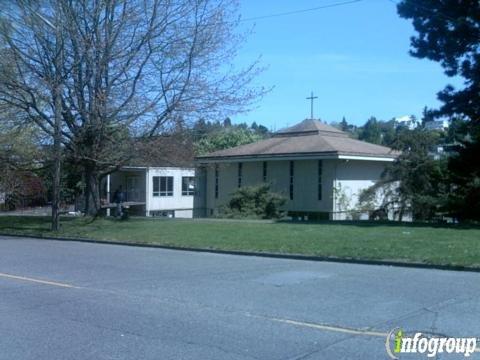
318	168
152	191
160	180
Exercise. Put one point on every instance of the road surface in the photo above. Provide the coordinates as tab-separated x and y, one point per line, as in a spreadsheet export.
71	300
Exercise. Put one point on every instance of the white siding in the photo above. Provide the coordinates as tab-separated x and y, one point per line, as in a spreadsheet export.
182	204
278	175
186	214
351	176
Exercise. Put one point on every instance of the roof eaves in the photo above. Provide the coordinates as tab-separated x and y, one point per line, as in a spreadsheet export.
324	155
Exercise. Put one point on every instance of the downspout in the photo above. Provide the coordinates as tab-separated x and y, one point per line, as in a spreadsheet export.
203	191
108	194
147	203
335	190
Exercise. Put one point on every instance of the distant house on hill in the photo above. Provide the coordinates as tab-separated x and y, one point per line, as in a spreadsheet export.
159	180
437	125
319	169
407	121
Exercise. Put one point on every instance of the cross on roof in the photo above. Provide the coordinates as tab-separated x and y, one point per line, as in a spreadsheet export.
311	98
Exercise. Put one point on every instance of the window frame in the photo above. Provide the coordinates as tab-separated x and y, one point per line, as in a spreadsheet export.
216	180
160	182
188	191
320	175
292	175
240	174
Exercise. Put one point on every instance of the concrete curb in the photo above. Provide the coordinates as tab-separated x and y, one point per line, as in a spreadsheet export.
261	254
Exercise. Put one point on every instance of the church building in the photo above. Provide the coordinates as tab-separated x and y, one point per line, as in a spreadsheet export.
318	168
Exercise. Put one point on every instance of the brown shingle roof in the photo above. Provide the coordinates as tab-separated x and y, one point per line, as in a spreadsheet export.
174	150
310	137
310	126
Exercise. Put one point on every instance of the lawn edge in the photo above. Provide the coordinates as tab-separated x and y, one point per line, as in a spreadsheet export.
404	264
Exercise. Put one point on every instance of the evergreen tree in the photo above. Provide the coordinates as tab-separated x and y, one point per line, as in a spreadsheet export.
227	122
344	125
388	132
263	131
200	128
427	116
449	32
371	132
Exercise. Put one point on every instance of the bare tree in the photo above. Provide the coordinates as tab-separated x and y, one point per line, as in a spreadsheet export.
128	68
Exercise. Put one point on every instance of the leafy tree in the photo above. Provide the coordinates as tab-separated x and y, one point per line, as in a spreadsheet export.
108	68
225	138
20	159
449	32
256	202
19	147
209	136
415	182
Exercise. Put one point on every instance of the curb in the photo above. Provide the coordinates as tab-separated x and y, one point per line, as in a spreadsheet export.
261	254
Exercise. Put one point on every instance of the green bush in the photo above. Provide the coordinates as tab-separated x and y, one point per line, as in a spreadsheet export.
254	202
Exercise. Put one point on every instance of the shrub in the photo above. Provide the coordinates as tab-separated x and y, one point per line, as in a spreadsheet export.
254	202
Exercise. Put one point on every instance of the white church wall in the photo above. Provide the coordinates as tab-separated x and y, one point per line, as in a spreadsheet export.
305	183
351	179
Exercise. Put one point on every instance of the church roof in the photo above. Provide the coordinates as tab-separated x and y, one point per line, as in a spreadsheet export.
307	138
310	126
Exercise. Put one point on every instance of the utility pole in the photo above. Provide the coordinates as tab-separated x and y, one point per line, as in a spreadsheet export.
311	98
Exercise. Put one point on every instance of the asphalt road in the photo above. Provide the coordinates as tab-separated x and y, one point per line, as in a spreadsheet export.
68	300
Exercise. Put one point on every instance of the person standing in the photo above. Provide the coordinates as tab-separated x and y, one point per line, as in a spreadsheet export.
118	199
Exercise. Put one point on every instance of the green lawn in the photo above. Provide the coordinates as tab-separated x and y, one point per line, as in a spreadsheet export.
439	245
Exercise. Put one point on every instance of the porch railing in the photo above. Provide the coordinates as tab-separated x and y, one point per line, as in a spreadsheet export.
134	196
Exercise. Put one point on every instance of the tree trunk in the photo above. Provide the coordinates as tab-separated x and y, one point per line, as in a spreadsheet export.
402	211
57	138
92	192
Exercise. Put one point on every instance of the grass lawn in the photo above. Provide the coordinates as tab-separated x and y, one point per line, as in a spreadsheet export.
439	245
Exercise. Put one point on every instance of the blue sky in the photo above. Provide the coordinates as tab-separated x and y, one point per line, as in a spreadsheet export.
354	57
